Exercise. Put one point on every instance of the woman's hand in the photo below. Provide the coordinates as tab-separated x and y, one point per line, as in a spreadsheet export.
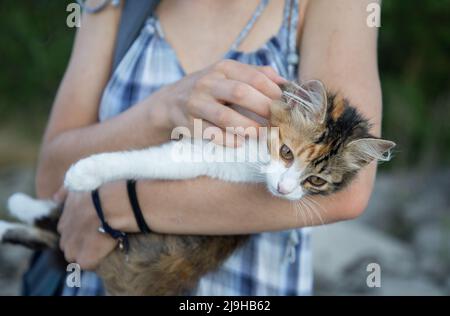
81	241
205	95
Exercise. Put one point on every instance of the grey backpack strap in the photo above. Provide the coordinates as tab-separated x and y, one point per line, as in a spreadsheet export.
134	14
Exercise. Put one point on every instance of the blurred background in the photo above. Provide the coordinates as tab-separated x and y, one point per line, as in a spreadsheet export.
406	229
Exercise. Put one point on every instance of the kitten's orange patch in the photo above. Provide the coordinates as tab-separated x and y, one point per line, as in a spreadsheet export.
338	107
323	151
312	152
303	149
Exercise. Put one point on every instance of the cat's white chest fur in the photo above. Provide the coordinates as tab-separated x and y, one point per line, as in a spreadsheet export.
175	160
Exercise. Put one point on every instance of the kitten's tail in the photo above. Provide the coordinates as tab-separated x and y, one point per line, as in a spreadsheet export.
39	219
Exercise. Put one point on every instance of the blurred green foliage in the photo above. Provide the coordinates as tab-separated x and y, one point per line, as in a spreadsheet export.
414	56
414	49
34	51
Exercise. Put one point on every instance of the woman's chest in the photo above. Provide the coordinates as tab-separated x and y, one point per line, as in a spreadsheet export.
202	32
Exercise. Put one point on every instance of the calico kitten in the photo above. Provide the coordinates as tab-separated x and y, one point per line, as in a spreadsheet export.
317	142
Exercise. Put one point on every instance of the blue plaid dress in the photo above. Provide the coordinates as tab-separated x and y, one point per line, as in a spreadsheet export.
275	263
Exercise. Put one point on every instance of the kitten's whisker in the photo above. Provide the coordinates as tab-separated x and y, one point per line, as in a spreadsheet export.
296	213
317	204
311	211
315	211
306	207
299	211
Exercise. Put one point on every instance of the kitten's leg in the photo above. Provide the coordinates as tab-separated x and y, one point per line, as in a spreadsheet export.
31	237
171	161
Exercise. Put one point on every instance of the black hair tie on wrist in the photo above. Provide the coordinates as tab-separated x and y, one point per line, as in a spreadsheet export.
143	227
105	228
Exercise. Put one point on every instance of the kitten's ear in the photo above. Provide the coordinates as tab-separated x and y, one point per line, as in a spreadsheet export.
310	98
362	151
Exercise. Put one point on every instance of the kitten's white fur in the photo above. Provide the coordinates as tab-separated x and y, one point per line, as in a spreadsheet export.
177	160
27	209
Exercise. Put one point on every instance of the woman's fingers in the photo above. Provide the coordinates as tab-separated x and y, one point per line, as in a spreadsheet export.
94	250
60	196
202	129
242	94
219	136
271	74
224	117
257	78
205	95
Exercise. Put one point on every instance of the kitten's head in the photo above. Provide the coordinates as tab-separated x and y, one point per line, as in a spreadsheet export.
321	144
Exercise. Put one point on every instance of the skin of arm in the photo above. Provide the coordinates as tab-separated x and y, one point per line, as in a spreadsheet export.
338	48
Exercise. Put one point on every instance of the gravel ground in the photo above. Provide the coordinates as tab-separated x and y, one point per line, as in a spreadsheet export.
405	229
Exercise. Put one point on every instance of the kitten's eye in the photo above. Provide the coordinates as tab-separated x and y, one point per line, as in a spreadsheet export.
286	153
316	181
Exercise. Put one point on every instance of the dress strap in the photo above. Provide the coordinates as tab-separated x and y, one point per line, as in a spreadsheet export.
259	10
291	19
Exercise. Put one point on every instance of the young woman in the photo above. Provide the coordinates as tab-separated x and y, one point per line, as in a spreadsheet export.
190	60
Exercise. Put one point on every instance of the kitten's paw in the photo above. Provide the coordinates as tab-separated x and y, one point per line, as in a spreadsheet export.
83	176
27	209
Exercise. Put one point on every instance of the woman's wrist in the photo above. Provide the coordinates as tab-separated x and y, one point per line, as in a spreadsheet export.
117	207
159	124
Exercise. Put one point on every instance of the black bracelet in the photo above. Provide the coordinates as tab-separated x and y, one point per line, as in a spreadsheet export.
105	228
132	195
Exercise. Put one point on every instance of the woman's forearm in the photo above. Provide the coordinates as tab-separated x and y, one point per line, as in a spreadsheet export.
211	207
136	128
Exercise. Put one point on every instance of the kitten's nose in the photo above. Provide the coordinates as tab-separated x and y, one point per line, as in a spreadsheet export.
285	187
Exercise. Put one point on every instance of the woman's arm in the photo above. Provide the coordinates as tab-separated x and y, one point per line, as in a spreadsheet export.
223	209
